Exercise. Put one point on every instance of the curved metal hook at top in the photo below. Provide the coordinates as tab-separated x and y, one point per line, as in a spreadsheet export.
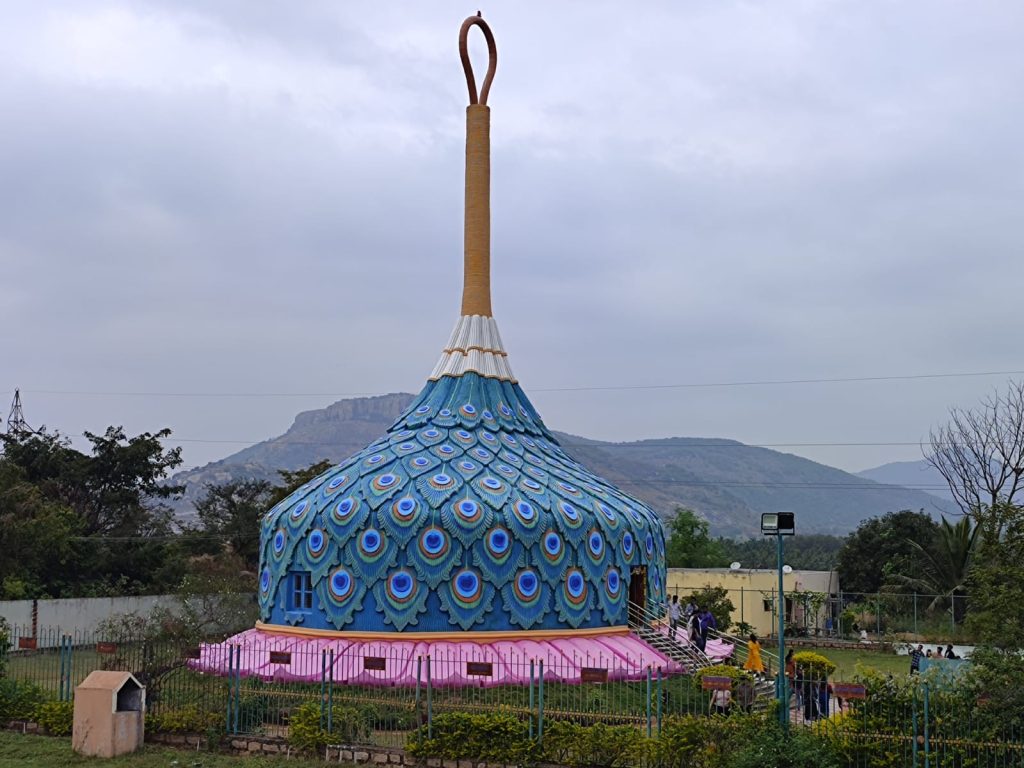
467	65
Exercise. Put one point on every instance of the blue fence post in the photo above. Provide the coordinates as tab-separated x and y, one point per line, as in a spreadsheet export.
330	690
63	669
540	703
430	711
648	701
531	699
323	684
659	701
927	750
238	686
71	669
913	735
231	687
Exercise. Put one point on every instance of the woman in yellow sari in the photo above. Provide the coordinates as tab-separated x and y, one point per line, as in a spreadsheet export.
753	662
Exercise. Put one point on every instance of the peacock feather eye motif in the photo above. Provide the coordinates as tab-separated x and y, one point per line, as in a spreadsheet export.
523	520
466	597
434	556
370	553
400	598
401	519
611	597
438	487
573	599
499	555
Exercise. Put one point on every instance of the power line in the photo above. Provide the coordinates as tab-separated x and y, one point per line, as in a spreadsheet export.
653	444
596	388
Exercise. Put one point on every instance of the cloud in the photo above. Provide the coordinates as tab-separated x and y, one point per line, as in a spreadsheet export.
220	197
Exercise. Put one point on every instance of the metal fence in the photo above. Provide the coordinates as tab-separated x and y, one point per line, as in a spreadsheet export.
920	725
844	615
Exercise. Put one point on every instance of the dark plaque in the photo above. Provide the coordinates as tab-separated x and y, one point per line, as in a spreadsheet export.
712	683
191	653
106	647
480	668
378	663
27	643
593	675
849	691
280	657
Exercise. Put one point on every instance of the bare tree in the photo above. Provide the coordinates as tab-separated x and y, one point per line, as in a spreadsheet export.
980	453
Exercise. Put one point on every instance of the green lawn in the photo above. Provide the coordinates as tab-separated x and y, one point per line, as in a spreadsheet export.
17	751
846	661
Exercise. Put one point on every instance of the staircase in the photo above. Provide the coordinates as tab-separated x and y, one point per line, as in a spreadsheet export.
764	685
653	631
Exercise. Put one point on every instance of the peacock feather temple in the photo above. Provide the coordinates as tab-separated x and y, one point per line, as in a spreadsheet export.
466	520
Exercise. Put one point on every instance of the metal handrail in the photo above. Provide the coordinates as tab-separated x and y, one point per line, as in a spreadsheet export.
739	642
648	623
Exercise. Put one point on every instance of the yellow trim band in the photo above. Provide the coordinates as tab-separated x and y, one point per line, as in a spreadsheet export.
484	637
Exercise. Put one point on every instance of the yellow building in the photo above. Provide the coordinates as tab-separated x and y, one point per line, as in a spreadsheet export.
811	596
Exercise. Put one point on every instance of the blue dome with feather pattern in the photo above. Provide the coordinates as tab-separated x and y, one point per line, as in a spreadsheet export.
466	515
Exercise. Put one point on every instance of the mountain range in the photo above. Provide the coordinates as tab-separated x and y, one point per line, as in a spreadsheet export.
728	483
910	474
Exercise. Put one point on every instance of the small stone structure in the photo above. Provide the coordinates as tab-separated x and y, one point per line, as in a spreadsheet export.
109	717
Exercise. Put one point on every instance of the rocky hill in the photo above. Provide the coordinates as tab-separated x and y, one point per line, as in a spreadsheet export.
727	482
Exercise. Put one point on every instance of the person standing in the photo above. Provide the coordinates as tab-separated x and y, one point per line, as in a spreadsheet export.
791	676
702	626
673	616
691	608
694	629
753	662
721	699
916	655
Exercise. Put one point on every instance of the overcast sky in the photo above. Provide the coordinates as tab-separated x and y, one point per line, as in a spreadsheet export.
266	197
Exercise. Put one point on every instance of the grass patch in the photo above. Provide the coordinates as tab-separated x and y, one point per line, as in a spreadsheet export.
846	661
17	751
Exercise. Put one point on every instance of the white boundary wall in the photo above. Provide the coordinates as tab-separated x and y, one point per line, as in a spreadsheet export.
76	616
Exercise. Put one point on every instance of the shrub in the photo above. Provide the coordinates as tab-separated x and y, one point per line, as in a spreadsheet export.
5	645
599	745
772	749
307	728
693	741
814	664
494	737
721	670
19	701
188	719
56	717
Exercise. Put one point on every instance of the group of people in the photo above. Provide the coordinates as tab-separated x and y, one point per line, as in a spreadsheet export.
695	620
812	695
916	654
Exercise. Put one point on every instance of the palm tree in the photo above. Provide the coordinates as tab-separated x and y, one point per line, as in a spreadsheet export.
945	564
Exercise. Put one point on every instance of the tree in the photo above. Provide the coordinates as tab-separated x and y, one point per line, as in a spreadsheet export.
980	453
880	543
944	565
811	552
716	600
689	545
229	516
110	499
35	537
996	584
229	513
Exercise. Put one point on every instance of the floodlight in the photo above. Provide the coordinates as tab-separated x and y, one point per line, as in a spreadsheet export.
778	523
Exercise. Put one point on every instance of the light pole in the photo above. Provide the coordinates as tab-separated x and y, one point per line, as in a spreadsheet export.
779	524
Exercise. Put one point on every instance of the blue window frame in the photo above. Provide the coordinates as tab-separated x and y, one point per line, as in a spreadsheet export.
302	591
